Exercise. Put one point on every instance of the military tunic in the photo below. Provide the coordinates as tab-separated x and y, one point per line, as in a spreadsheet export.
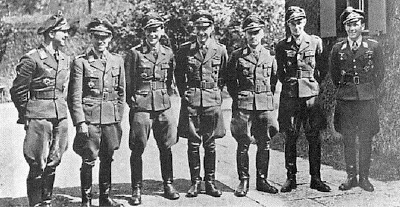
199	81
39	94
96	96
251	79
149	82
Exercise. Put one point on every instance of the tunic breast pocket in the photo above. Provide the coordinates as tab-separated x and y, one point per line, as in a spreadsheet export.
267	69
309	57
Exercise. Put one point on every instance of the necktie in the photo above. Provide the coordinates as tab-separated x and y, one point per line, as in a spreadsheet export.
57	55
204	50
354	47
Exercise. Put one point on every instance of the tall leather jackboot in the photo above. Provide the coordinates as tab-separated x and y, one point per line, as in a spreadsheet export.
136	178
262	164
167	174
242	163
34	186
351	180
194	166
290	163
48	177
105	184
86	184
209	168
364	164
314	158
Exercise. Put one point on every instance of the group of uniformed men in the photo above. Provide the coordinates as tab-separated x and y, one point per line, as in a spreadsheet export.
99	82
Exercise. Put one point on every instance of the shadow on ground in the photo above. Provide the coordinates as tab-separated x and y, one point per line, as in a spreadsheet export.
71	196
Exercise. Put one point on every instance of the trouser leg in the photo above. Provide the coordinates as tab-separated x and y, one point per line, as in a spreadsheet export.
34	186
262	164
86	182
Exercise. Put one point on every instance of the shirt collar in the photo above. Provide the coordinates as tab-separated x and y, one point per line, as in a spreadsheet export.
358	41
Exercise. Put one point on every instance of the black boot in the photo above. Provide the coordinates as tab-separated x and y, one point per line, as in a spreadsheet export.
365	184
317	184
194	165
209	168
290	162
167	174
105	184
136	179
290	183
242	163
262	164
34	186
86	184
48	182
351	180
242	188
365	162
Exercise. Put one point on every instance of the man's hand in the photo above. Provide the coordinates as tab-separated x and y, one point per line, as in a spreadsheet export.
82	128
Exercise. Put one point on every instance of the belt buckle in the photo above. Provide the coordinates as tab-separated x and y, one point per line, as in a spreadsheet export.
258	88
105	95
298	73
153	85
203	85
356	80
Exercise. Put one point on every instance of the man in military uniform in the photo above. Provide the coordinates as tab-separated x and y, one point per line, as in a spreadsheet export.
150	69
39	93
299	70
96	98
357	68
251	79
199	81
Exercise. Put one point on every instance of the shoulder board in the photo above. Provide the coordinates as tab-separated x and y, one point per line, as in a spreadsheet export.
31	52
372	40
166	47
116	54
185	44
316	37
80	56
137	46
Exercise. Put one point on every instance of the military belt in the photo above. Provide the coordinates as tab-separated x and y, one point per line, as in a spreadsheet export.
152	85
304	74
203	85
261	88
45	95
352	78
109	96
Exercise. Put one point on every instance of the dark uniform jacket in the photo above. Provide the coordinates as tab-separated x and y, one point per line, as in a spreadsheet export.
299	66
39	90
148	78
358	74
97	89
198	76
251	80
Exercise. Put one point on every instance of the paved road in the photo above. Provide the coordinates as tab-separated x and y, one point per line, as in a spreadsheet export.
14	169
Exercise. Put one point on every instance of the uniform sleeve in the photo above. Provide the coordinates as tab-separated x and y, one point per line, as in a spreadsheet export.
180	71
21	84
280	63
170	76
379	64
321	67
334	69
122	86
75	92
130	76
223	67
231	77
274	76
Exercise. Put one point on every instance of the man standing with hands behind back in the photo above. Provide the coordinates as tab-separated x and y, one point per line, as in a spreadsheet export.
39	94
300	72
357	69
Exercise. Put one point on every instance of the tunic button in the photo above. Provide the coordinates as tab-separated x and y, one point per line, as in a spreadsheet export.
355	67
354	61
